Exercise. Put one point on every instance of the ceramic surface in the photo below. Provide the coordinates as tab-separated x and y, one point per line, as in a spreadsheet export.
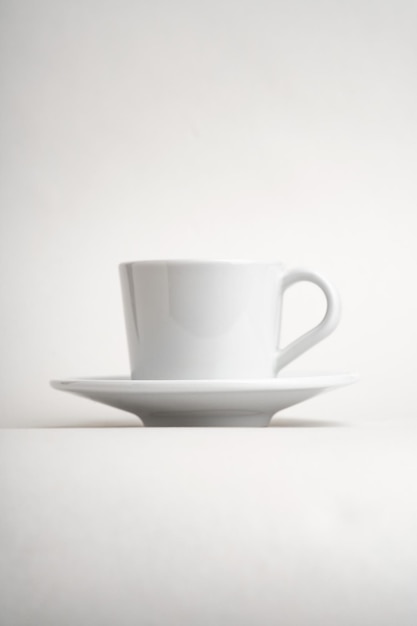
204	402
213	319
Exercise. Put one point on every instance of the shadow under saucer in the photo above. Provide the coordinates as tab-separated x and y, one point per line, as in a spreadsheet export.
276	422
299	422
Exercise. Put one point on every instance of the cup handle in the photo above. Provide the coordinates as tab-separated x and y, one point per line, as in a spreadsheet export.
319	332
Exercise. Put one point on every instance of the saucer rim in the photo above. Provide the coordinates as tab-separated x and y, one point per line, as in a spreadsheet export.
284	382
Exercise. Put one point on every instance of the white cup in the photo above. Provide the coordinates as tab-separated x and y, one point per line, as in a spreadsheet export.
213	319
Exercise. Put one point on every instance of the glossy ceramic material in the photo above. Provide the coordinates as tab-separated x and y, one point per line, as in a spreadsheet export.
213	319
204	402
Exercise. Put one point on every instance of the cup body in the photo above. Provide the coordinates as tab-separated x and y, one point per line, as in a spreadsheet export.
202	319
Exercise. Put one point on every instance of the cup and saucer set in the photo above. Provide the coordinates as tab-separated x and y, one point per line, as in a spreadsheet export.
203	339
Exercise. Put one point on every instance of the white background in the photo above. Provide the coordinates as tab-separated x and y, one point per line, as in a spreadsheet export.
277	130
209	527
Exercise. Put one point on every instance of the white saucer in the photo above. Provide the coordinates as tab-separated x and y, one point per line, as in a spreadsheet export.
204	402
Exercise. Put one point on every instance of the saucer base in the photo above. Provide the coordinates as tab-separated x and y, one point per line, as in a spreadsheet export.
206	418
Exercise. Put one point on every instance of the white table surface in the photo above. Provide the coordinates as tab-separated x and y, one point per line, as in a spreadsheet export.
302	523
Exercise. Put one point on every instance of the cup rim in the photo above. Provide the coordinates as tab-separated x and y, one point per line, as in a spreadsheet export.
197	261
